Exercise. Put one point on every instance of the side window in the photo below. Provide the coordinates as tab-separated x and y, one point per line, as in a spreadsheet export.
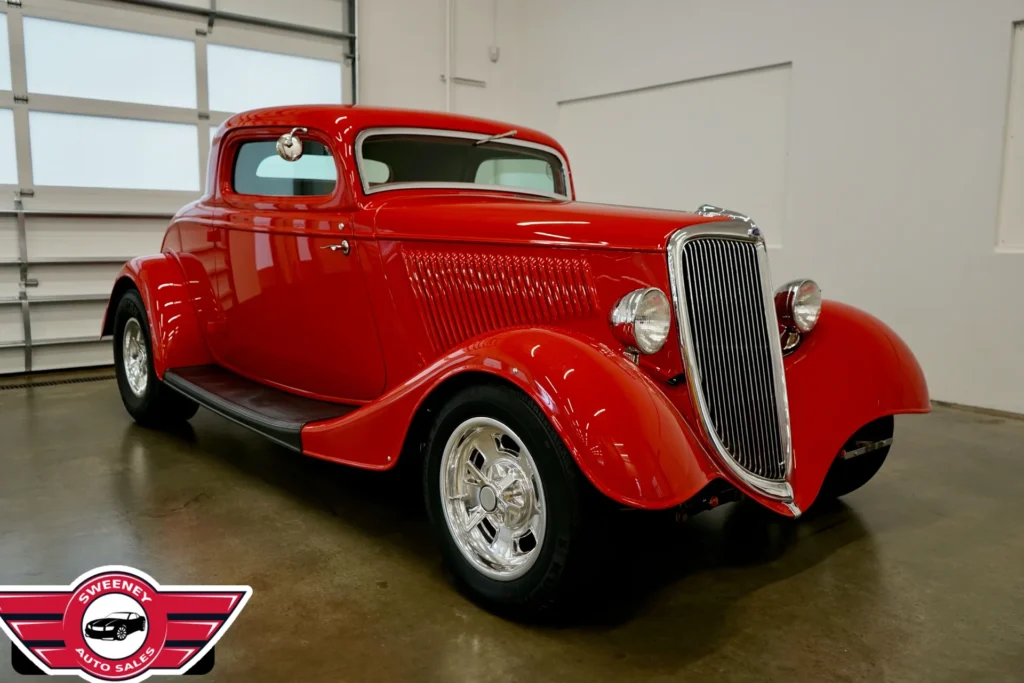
260	171
534	174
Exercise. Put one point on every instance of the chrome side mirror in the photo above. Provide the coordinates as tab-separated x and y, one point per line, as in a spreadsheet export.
289	146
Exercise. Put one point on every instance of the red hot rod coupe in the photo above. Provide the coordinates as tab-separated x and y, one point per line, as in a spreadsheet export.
363	285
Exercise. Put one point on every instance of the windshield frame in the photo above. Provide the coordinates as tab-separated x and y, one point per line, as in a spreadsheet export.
444	185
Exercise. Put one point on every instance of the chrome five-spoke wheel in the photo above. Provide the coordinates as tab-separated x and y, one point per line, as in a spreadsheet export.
507	501
134	357
492	498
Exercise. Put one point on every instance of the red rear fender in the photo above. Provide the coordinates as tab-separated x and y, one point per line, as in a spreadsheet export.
174	330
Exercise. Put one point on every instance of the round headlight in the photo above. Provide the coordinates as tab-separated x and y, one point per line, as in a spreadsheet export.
642	319
798	304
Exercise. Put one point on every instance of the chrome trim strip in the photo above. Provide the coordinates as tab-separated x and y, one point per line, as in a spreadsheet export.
440	132
735	230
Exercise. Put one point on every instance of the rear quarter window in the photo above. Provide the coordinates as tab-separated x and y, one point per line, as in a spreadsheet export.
259	170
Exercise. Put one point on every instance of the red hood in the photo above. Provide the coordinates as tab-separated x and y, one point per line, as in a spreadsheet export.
481	217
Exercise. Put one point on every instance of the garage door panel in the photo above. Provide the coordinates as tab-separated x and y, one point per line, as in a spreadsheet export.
11	360
327	14
105	151
72	356
67	238
9	279
718	140
145	203
11	329
93	279
73	320
8	239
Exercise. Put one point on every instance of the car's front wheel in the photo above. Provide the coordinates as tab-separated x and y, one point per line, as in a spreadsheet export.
505	499
146	398
122	632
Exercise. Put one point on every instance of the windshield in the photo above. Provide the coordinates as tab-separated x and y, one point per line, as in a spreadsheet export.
388	160
118	615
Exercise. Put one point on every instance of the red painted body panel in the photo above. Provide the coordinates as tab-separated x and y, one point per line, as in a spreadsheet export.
852	369
174	329
443	282
622	430
498	219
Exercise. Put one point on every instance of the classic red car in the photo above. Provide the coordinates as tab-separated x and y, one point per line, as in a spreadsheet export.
364	285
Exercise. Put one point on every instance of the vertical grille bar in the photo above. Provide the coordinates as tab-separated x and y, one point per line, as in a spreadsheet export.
732	351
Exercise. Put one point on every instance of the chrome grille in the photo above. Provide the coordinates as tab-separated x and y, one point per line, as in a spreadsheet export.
730	330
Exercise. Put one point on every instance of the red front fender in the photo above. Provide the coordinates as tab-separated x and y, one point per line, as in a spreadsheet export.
173	327
623	432
851	370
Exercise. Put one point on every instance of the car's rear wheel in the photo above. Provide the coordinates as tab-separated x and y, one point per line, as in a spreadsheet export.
849	474
505	499
148	400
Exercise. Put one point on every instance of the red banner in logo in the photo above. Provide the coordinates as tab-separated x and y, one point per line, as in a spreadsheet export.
118	624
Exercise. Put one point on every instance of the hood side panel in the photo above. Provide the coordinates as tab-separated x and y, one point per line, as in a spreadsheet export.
465	294
446	294
503	219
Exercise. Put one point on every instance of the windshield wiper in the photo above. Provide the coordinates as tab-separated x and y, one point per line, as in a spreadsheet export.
506	134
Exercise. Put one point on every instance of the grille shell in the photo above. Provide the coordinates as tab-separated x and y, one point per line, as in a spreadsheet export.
733	361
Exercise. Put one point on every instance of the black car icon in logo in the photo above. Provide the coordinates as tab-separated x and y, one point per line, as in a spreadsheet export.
116	626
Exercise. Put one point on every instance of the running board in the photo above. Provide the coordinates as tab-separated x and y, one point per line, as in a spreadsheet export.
275	414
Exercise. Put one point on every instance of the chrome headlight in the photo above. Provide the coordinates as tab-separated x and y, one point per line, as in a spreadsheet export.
798	305
642	319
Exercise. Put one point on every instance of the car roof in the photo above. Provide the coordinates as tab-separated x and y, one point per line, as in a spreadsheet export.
349	120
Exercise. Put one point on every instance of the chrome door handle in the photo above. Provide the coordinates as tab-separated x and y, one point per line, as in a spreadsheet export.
343	247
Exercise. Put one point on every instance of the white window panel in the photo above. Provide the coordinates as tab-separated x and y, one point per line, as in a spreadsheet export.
93	151
106	64
8	158
5	56
243	79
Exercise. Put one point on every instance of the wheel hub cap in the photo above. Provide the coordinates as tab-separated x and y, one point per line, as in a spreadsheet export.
488	500
135	357
493	499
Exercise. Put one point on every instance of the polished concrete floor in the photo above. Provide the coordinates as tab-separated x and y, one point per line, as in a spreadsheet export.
917	577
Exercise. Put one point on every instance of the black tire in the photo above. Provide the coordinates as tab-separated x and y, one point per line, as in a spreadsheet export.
543	589
158	404
846	476
121	633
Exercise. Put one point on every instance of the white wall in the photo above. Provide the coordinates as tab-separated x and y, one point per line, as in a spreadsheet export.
891	186
402	56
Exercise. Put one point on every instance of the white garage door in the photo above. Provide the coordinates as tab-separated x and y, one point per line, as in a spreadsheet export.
718	140
106	115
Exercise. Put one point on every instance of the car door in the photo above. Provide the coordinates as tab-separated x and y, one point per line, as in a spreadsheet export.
296	308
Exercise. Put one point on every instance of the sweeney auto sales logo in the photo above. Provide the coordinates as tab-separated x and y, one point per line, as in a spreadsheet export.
118	624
